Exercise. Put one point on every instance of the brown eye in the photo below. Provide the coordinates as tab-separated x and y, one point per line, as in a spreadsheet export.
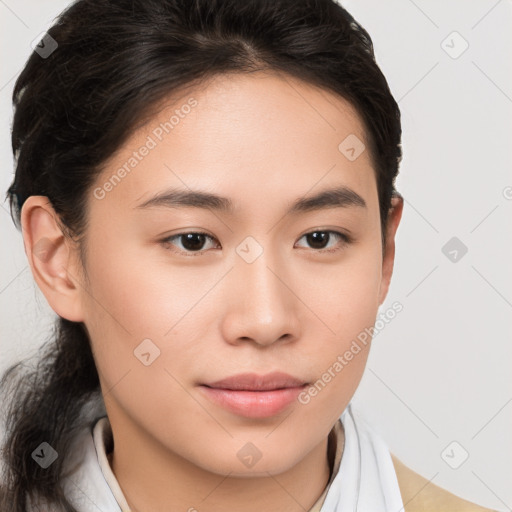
319	240
192	241
188	242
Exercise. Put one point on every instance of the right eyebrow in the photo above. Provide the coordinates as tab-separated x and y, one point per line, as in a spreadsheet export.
175	198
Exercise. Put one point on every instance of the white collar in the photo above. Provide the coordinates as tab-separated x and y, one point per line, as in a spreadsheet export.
363	477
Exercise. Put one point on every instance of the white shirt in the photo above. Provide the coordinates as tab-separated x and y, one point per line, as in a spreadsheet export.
363	477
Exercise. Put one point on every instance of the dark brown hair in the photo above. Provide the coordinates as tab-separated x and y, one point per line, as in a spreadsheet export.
115	60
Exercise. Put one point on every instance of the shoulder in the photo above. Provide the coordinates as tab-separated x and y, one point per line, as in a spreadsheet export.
421	495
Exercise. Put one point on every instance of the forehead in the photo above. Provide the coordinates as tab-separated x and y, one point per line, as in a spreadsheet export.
246	136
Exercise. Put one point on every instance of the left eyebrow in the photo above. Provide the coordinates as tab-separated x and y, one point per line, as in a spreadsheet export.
339	197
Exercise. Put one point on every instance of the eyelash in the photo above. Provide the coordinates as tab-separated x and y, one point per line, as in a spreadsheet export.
346	240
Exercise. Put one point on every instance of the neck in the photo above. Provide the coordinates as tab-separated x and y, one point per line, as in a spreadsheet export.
153	478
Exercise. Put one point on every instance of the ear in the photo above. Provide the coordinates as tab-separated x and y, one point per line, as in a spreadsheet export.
394	216
52	257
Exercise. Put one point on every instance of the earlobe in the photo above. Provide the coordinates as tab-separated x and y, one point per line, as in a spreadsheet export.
394	216
50	256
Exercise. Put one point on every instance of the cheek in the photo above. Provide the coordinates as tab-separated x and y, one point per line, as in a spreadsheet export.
130	308
142	298
345	300
130	302
345	295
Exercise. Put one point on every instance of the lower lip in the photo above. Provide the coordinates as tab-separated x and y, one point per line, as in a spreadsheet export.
253	404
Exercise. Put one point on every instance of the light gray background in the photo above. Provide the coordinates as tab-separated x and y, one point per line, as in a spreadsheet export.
440	371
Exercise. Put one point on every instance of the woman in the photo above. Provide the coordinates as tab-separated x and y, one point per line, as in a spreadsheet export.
206	195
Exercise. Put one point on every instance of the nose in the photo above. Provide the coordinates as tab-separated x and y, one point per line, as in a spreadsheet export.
261	306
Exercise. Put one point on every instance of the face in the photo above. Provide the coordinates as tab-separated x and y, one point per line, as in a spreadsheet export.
184	290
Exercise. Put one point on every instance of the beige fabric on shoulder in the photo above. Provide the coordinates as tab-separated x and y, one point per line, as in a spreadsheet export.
421	495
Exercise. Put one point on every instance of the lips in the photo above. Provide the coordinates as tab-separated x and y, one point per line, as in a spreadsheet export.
254	382
254	396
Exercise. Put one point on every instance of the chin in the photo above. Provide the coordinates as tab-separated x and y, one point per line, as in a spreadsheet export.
248	462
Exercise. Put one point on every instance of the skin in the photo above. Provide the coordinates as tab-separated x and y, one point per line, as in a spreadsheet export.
263	140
